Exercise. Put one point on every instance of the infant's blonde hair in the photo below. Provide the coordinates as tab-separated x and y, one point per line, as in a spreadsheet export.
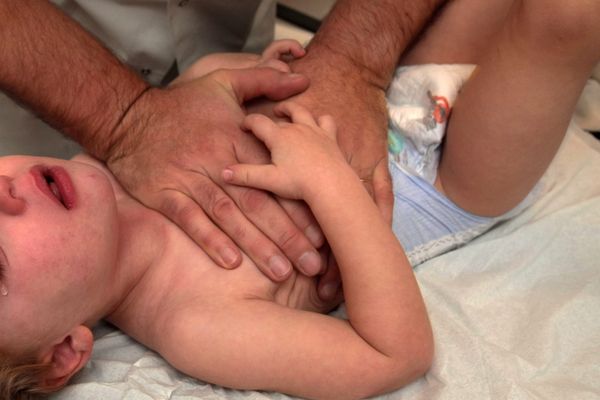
21	380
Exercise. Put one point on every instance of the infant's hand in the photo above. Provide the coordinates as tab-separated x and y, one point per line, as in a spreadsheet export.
275	56
304	153
284	50
279	53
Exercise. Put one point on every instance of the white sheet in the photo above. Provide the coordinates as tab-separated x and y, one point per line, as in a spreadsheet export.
515	312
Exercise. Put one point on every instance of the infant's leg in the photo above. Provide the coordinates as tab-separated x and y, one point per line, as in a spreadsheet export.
511	116
459	33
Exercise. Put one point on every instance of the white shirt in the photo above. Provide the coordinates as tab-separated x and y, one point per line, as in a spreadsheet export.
150	35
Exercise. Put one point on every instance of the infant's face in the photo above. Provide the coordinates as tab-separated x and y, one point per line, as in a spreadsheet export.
58	239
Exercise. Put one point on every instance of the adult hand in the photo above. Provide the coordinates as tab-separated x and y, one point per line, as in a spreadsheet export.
174	144
358	107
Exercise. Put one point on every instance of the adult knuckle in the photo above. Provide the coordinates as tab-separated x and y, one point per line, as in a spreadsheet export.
252	201
206	193
177	209
208	238
298	212
196	233
288	239
239	233
169	205
222	208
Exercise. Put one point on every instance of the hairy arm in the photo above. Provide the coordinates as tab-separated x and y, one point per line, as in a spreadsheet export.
370	36
54	67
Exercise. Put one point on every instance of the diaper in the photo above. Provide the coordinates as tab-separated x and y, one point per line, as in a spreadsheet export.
419	101
426	222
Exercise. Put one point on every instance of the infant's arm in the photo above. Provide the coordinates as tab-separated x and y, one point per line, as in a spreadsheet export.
256	344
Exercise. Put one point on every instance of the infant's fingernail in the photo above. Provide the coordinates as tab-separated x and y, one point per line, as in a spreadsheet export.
279	266
328	291
229	257
310	263
227	174
314	235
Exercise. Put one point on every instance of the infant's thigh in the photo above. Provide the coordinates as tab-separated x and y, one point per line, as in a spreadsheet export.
459	33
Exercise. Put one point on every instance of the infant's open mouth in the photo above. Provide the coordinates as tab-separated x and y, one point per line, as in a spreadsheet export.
56	183
54	188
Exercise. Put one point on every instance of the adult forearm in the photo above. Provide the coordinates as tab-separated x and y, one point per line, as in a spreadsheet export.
50	64
372	35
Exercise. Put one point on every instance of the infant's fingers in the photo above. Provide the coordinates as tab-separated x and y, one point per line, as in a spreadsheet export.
262	126
327	123
282	47
295	48
265	177
294	111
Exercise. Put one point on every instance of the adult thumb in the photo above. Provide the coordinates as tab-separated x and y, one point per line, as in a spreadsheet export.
251	83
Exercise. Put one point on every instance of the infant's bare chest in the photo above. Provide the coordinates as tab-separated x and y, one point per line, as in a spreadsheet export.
211	285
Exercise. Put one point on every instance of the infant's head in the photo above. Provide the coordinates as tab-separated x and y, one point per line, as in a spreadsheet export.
58	246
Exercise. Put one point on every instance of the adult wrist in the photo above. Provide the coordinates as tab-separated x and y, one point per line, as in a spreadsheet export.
126	127
131	122
321	58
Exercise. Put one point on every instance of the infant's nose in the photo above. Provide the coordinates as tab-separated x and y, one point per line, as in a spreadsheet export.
9	204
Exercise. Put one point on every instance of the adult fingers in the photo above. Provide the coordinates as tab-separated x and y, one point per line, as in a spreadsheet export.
186	213
234	217
268	216
262	209
300	213
250	83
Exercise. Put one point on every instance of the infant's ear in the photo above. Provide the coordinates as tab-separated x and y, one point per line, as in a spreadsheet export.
67	357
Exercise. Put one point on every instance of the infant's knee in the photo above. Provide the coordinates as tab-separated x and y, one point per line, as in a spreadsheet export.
565	23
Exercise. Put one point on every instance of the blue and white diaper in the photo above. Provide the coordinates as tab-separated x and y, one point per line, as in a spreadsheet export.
425	221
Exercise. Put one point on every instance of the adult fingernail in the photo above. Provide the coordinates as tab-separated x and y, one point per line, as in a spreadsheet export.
328	291
310	263
314	235
279	266
229	257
